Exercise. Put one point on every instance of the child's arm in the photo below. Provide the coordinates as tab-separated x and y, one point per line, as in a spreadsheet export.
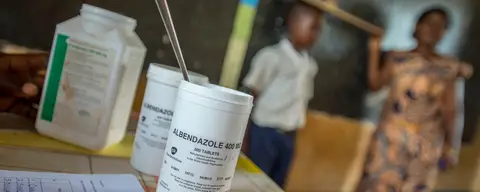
245	136
249	91
261	72
259	76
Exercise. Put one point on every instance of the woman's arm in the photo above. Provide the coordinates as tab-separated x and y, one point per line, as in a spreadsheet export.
450	153
464	71
377	75
449	111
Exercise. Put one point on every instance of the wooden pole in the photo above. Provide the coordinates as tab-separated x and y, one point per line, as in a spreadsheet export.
345	16
238	44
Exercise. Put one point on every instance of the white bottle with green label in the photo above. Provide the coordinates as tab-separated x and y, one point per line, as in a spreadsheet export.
95	62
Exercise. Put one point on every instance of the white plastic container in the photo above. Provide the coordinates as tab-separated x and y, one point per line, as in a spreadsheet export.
156	116
205	138
92	75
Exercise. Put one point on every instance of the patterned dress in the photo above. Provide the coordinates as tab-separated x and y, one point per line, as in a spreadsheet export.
408	142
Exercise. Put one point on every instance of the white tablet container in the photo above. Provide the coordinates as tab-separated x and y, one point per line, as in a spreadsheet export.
95	62
205	138
156	116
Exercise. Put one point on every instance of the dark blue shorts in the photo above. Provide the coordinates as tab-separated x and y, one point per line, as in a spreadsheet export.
272	151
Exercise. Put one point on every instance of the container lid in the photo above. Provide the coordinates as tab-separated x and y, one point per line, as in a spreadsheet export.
172	75
218	93
118	18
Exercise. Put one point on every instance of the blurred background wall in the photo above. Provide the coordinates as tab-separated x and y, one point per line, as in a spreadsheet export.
341	50
204	28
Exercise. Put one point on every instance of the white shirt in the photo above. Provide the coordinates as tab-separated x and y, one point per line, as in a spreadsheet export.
284	79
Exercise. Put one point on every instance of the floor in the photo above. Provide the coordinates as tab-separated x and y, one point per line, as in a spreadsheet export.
330	152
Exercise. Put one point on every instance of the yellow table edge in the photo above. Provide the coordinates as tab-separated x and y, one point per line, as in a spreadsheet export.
27	139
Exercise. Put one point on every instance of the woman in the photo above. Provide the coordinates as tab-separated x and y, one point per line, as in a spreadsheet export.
416	126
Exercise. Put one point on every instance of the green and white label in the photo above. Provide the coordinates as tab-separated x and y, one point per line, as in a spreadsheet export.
77	84
53	82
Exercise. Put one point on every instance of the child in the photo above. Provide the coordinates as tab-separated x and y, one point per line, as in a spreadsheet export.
282	77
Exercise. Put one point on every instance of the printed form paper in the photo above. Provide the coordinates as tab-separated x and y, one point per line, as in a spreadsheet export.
22	181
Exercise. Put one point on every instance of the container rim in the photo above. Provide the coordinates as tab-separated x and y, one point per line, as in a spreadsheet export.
90	9
218	93
172	75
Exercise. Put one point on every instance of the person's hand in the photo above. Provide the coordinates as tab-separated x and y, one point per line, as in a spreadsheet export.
449	158
27	91
374	43
30	89
466	70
